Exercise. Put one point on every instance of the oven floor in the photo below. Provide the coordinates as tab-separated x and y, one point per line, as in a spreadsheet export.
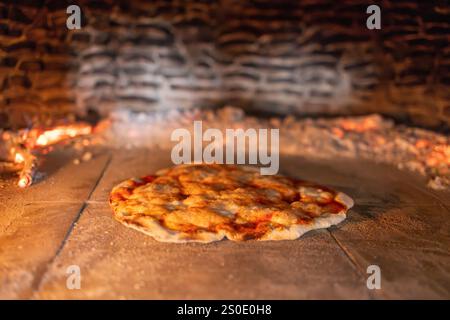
397	224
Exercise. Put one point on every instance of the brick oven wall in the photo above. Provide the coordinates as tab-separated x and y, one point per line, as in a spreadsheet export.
285	56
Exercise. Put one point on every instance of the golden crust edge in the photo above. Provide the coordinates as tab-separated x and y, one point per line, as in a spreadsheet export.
296	231
344	199
159	233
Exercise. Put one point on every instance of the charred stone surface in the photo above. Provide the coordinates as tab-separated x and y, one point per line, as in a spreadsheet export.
287	56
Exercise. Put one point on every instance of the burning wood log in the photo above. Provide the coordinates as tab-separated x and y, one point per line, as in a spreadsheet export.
9	167
58	134
21	150
28	171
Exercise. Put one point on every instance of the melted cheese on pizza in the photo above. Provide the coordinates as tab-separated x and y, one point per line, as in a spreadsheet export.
233	200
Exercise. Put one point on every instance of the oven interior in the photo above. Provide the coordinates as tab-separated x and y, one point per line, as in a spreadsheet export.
366	111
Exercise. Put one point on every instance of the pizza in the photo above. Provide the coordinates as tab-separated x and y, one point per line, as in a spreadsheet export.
208	202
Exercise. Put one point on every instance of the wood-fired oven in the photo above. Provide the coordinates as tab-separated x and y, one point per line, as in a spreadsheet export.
85	106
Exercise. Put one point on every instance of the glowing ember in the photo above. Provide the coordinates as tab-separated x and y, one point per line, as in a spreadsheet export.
24	147
338	132
25	181
61	133
360	125
439	157
422	143
19	158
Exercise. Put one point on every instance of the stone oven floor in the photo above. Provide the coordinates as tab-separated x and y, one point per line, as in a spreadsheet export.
397	224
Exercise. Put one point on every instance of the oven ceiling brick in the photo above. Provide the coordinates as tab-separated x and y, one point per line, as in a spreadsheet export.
298	57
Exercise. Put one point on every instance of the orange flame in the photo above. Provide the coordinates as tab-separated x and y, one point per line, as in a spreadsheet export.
42	141
25	181
439	156
365	124
19	158
60	133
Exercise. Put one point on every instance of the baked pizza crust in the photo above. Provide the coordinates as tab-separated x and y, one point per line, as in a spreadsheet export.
127	197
